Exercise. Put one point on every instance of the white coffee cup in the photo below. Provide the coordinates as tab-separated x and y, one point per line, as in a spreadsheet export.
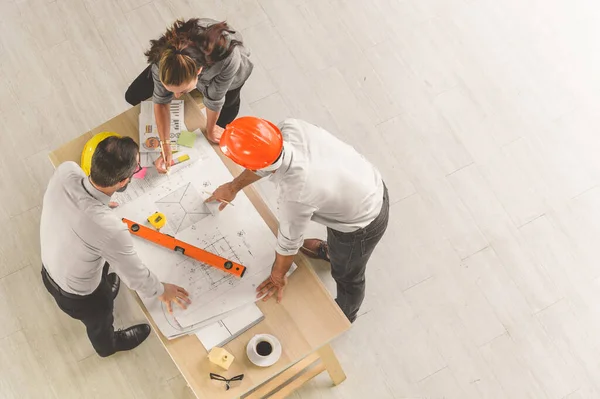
263	350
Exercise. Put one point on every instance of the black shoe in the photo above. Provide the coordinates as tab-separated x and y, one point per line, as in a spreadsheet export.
131	337
115	283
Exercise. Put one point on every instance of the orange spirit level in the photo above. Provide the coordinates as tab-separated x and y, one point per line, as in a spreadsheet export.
193	252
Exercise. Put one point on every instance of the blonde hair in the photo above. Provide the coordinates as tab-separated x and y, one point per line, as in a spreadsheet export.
175	68
186	47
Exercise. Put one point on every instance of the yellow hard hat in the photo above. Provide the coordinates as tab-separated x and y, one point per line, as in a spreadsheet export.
90	147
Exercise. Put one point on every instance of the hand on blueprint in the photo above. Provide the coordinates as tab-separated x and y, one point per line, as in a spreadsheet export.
274	284
214	136
174	293
224	194
160	164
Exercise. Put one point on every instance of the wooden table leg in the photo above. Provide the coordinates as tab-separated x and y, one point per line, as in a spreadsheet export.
332	365
283	384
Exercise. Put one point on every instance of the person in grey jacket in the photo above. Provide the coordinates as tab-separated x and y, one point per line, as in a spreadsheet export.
202	54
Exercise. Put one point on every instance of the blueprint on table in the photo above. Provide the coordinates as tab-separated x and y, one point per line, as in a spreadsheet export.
238	233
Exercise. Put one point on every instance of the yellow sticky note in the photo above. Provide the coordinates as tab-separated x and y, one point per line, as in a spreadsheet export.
186	139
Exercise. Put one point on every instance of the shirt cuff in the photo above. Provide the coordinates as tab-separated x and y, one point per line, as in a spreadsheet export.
286	252
152	290
287	247
161	100
160	289
213	105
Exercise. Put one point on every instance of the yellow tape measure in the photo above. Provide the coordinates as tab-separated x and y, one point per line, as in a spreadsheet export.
157	220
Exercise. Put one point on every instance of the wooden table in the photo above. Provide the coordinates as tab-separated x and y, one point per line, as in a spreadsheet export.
305	322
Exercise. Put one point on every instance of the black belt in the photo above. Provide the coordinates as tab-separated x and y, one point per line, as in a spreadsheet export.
58	289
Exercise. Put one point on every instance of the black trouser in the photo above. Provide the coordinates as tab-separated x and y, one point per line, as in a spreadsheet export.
349	254
142	87
95	311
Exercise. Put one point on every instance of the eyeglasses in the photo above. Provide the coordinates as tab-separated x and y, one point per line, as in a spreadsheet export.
218	377
139	167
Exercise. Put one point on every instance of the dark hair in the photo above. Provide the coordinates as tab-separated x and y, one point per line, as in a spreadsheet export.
186	47
114	160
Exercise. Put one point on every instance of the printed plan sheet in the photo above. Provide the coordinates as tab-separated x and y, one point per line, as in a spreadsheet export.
237	233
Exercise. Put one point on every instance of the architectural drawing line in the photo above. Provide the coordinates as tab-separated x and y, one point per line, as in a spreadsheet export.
183	207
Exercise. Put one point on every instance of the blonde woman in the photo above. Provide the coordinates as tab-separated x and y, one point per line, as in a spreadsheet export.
201	54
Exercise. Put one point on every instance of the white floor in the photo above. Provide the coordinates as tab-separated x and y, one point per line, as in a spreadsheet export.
481	115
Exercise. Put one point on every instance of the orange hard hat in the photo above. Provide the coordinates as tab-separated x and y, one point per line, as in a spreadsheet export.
251	142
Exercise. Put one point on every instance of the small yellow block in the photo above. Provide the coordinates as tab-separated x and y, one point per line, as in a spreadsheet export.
220	357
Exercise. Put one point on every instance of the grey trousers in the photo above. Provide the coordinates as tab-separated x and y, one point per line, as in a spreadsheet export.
349	254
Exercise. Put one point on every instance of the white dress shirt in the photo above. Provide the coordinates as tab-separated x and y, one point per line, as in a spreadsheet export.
325	180
79	232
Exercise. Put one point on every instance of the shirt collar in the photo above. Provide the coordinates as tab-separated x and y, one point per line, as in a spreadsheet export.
288	155
94	192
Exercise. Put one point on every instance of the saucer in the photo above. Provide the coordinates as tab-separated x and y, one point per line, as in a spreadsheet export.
264	361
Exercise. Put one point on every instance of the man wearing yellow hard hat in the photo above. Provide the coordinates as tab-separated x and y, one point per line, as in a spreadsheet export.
319	178
90	147
80	236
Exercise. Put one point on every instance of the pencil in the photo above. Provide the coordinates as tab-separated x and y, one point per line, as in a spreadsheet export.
220	200
162	151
